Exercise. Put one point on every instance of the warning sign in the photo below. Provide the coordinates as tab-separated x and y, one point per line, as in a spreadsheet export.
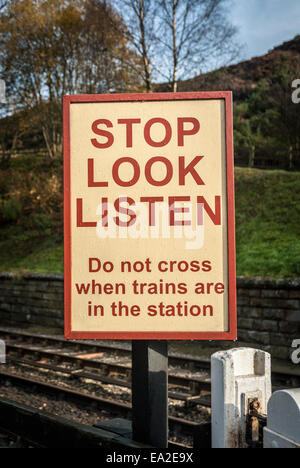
149	217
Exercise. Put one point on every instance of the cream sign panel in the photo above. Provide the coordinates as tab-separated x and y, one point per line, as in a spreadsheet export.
149	217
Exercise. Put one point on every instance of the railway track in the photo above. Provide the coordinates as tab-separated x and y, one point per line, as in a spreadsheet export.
36	355
83	399
103	358
104	363
83	354
106	380
192	363
80	362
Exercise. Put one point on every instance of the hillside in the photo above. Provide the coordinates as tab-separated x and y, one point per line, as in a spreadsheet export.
244	77
267	223
267	129
267	215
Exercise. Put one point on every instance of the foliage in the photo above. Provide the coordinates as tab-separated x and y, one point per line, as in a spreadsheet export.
51	48
194	33
31	231
269	119
31	193
176	38
10	210
247	130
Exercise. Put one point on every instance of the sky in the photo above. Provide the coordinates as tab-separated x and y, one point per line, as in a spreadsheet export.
264	24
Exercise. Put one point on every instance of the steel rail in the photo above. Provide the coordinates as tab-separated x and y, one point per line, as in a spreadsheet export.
101	378
81	398
82	362
202	363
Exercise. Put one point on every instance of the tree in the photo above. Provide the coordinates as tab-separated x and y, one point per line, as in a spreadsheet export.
194	33
176	39
10	132
55	47
279	116
247	131
3	4
139	18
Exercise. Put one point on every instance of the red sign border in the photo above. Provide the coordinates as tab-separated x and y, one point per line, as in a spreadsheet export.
231	334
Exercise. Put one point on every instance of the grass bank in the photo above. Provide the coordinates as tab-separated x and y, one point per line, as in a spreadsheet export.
267	221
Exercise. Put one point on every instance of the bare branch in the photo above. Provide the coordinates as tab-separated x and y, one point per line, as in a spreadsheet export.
193	31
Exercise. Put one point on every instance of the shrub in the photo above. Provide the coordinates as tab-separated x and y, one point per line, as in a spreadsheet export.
11	210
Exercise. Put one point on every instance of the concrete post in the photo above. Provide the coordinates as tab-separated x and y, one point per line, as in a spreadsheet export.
283	430
239	377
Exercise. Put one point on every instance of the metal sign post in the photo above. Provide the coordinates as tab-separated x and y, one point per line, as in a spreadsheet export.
150	392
